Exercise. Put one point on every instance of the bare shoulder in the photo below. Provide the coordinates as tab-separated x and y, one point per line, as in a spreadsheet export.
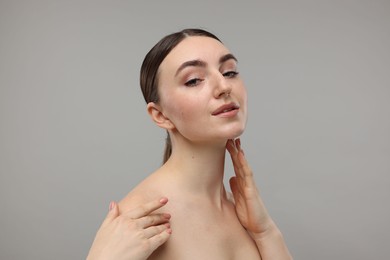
149	189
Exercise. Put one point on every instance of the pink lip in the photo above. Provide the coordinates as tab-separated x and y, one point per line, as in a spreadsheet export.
230	108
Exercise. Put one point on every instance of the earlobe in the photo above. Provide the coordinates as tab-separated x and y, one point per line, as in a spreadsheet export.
155	112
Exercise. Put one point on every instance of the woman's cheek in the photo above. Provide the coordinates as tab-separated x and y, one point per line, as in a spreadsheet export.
180	113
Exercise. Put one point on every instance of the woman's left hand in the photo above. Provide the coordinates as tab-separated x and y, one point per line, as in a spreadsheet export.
250	209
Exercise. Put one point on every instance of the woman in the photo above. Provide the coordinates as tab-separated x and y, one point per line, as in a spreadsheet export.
193	90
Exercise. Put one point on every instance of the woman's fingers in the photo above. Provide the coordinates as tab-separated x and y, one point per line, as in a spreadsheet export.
135	233
159	239
153	220
240	164
156	230
146	209
113	213
237	193
233	147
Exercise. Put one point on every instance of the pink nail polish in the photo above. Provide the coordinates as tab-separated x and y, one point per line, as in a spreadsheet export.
111	206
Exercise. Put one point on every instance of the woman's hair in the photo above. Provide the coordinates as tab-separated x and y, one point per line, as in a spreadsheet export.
151	64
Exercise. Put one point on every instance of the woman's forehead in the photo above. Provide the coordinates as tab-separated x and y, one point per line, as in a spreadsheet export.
194	48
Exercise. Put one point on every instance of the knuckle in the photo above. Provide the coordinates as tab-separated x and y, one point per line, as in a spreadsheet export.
127	222
155	219
157	229
145	209
150	220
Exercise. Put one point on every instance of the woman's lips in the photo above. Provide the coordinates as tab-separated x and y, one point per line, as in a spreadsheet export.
226	110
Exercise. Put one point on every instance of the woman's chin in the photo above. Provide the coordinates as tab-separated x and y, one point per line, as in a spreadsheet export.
234	134
217	136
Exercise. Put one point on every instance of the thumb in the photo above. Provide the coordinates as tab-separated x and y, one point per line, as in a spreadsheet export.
112	213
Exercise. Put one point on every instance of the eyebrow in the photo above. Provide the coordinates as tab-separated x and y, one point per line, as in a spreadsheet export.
227	57
199	63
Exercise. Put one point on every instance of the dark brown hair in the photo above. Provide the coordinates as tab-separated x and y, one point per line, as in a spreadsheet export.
151	64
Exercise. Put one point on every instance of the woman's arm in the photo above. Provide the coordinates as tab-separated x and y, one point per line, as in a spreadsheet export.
250	208
132	235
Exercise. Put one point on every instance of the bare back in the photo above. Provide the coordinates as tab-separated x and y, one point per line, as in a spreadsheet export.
201	229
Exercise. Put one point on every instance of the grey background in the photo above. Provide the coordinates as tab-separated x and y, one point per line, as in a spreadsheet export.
75	134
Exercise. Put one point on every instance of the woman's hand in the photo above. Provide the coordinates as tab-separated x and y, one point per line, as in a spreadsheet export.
250	209
132	235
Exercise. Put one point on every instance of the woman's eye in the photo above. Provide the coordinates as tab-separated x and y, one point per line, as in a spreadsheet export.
193	82
230	74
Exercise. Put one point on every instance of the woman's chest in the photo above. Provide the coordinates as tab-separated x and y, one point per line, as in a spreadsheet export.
205	235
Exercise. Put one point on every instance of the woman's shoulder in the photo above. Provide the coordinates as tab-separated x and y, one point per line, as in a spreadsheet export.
151	188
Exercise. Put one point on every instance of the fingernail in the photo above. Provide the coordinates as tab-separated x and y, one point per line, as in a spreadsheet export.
111	206
166	215
169	231
242	152
163	200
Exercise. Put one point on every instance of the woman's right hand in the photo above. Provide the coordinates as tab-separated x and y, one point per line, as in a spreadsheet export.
132	235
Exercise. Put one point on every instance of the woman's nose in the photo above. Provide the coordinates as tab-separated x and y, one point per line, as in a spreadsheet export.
223	88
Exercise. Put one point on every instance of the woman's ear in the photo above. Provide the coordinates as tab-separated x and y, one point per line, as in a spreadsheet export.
155	112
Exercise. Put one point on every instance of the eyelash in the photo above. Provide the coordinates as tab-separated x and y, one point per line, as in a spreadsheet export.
196	81
230	74
193	82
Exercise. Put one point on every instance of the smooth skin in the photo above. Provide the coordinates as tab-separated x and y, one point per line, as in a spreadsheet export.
208	222
250	208
134	234
137	233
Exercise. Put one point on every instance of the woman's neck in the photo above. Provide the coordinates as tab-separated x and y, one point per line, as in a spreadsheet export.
199	169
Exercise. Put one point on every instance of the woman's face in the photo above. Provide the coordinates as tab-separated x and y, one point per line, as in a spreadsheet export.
201	92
